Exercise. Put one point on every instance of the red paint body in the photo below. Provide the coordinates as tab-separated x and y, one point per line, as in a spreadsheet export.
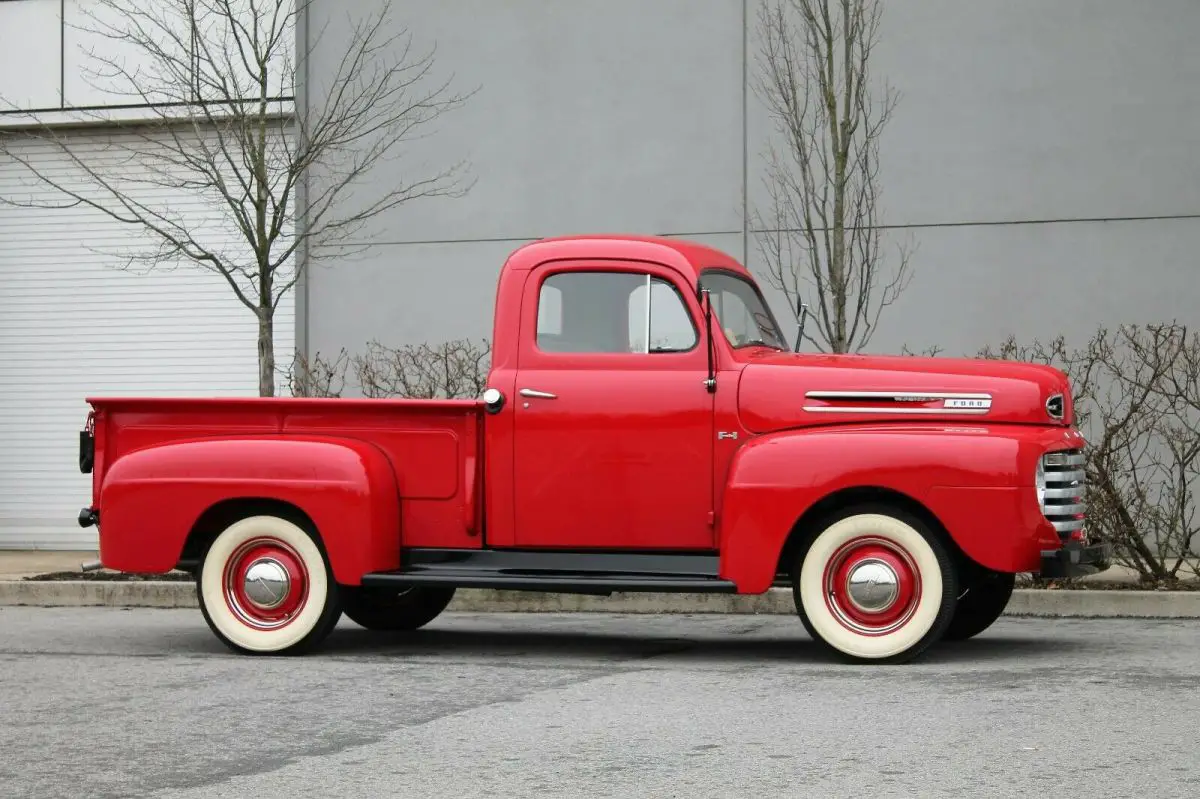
632	454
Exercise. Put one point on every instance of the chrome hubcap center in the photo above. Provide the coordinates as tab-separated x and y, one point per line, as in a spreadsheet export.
266	583
873	586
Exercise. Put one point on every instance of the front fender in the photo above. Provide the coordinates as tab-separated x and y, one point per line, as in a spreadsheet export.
977	481
150	499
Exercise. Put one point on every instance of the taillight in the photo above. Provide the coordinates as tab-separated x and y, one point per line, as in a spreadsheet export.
87	444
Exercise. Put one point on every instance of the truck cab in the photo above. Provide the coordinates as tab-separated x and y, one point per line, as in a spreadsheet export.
646	427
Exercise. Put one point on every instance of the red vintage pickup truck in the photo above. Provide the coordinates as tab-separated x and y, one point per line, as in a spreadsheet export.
646	427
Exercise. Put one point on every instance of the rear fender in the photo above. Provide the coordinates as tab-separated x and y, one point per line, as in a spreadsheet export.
151	499
977	483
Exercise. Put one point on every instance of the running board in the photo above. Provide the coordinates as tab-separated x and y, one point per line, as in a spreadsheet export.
598	573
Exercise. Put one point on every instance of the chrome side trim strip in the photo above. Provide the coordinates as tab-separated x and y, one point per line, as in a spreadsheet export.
952	402
898	410
903	396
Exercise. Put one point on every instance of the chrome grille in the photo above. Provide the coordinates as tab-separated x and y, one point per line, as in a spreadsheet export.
1066	483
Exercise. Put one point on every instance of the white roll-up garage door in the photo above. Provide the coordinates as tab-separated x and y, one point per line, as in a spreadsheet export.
74	324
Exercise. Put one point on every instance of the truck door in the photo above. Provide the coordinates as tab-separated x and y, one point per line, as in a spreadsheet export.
613	425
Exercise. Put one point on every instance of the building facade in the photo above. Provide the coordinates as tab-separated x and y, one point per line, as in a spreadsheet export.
73	321
1041	158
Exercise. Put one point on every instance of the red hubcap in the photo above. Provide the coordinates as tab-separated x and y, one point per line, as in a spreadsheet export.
872	585
265	583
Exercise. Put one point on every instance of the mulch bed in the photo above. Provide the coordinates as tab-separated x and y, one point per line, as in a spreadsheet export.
110	576
1106	585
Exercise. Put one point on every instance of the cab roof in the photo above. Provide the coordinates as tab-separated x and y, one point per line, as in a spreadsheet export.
689	257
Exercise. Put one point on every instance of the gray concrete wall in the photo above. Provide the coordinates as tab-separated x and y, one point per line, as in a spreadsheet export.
1043	158
54	54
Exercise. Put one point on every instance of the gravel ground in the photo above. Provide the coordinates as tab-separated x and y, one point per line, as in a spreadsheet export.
104	702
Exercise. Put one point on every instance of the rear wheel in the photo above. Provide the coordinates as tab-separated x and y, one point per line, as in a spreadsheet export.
385	609
265	586
875	585
986	598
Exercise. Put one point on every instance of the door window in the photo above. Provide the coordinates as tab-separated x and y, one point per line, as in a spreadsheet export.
612	312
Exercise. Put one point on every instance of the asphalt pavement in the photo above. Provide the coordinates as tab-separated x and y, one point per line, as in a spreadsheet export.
104	702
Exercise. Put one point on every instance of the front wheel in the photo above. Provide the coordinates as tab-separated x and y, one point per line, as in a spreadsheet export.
265	587
986	599
390	610
875	585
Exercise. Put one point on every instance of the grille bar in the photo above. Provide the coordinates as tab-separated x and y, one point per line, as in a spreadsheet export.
1062	501
1055	476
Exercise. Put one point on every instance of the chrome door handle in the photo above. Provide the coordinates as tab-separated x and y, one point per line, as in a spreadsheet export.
533	392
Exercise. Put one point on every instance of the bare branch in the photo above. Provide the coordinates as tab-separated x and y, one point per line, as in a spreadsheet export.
216	79
318	376
1135	406
450	370
820	236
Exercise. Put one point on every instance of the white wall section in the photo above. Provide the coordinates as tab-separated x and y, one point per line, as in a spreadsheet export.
73	324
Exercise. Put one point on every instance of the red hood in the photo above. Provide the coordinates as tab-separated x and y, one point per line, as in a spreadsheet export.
780	390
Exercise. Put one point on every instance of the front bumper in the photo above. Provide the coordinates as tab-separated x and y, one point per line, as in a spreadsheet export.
1075	560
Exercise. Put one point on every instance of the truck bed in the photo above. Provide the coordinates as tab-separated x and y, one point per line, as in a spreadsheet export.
434	446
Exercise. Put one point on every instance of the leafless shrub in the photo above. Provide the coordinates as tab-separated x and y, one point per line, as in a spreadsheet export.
1136	392
449	370
317	376
931	351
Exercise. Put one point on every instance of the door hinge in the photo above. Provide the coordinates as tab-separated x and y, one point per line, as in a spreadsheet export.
712	519
724	434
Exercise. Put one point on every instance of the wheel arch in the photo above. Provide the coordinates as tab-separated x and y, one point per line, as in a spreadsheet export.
814	518
224	513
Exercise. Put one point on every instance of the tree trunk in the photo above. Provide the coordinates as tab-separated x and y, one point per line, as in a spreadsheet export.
266	353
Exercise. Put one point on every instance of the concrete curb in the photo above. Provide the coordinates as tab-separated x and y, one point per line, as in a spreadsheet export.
1039	603
86	593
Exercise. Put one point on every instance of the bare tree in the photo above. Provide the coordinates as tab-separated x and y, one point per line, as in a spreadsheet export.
1136	392
217	78
821	228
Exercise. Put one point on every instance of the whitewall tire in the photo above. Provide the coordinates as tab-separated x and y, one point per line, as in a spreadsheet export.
265	587
875	585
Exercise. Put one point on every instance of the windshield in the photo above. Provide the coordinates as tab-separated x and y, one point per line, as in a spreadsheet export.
743	315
